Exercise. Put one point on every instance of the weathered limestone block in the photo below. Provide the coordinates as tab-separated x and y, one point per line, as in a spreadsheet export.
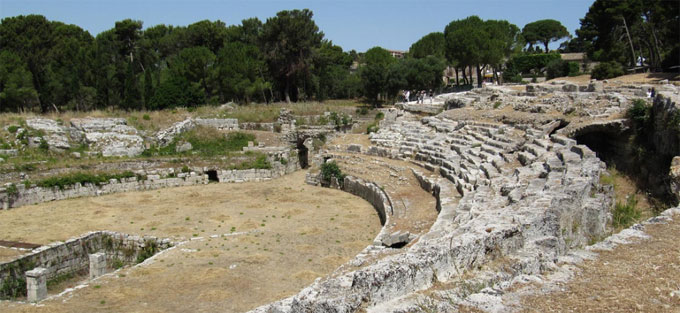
36	284
97	265
55	134
218	123
595	86
570	88
166	136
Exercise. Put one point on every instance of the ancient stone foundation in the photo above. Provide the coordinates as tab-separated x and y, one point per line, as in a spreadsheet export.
90	252
155	179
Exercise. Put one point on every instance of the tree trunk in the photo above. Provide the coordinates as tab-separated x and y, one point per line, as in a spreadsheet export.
632	50
456	76
287	91
479	76
546	46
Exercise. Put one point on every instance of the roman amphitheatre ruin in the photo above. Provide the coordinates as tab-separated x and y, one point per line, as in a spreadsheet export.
498	199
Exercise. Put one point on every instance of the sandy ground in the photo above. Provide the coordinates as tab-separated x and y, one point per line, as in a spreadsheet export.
639	277
7	254
293	233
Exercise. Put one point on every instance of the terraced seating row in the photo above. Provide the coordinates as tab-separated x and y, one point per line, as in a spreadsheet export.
521	196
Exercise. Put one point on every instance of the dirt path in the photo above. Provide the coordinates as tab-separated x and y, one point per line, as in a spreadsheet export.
294	233
639	277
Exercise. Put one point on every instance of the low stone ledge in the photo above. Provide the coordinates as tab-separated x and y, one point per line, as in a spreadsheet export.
73	255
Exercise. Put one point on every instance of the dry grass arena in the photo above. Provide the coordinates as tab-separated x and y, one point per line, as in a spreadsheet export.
259	242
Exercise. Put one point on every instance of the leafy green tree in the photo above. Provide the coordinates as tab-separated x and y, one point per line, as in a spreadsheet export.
176	92
239	72
287	41
29	37
196	65
627	30
16	84
374	73
331	67
544	31
207	34
474	43
431	44
131	94
128	33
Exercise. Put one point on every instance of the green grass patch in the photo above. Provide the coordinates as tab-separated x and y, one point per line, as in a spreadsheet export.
82	178
625	214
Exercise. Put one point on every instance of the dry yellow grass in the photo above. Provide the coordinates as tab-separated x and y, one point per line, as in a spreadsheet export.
639	277
295	233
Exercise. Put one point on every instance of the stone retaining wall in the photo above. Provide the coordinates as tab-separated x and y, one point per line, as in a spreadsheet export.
156	179
72	256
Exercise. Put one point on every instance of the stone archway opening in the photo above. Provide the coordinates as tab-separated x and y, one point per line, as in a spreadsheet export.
212	176
303	153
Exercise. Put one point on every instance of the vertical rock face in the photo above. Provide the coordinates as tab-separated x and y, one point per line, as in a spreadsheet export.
666	124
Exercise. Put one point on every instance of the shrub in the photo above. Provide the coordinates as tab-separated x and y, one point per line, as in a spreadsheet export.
82	178
12	190
146	117
379	116
43	145
639	112
362	110
372	128
561	68
12	129
625	214
526	63
607	70
331	169
185	169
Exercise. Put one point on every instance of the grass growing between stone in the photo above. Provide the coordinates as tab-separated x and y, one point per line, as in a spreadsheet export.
631	204
82	178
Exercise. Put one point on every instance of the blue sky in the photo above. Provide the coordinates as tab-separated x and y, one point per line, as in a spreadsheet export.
352	24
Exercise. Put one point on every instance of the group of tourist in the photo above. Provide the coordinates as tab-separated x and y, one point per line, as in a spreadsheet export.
651	93
419	96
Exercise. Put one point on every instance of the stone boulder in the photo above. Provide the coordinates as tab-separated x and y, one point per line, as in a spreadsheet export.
54	134
570	87
595	86
110	136
166	136
218	123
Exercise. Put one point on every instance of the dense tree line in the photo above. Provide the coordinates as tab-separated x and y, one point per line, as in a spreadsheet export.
48	65
624	32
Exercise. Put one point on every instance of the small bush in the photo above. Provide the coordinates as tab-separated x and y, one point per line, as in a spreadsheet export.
362	110
185	169
146	117
625	214
12	190
371	128
82	178
43	145
497	104
607	70
331	169
12	129
379	116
